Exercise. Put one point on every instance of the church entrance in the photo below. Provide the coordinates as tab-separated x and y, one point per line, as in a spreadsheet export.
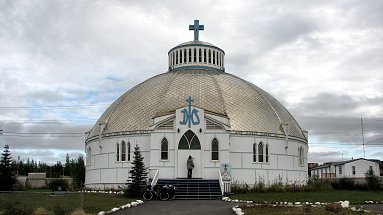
189	145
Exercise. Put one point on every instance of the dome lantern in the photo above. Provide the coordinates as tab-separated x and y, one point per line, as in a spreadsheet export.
196	54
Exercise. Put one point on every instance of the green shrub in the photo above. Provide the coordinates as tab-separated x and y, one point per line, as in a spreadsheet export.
373	182
343	184
237	187
58	183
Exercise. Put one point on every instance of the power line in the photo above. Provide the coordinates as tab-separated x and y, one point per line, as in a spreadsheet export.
54	107
337	118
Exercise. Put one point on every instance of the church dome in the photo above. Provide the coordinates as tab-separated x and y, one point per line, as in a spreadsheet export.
197	69
248	107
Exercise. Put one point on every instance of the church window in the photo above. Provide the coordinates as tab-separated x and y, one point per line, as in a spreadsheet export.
218	58
190	56
123	151
200	55
254	152
340	170
204	55
300	154
215	150
128	151
88	156
260	152
185	59
164	149
353	170
209	56
117	152
213	57
180	56
267	153
195	55
176	57
189	141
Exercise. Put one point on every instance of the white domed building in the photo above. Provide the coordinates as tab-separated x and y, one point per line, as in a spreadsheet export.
196	108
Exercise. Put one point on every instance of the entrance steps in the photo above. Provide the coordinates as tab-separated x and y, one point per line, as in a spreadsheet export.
194	188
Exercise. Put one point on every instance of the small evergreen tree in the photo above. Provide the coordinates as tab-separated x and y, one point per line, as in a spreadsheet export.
373	181
138	174
7	177
77	172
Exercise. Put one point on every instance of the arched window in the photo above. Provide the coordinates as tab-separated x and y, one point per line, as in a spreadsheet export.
213	57
185	59
189	141
190	56
214	150
209	56
117	152
128	151
254	152
200	55
204	55
267	153
173	59
123	151
195	55
300	154
164	149
89	156
260	152
176	57
180	56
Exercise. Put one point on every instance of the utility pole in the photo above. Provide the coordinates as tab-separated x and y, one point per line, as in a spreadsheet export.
364	152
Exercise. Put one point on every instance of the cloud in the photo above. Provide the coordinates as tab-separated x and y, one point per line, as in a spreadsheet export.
321	59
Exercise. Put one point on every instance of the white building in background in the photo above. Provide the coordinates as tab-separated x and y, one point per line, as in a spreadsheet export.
346	169
196	108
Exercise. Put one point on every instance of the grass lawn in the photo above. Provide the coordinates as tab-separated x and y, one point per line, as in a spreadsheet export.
266	210
355	197
91	203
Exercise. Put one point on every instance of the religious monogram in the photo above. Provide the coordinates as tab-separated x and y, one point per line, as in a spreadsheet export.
190	116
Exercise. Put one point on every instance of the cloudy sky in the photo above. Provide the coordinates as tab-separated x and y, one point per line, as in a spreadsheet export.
62	63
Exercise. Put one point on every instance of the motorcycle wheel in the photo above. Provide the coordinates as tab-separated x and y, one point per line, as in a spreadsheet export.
164	196
147	195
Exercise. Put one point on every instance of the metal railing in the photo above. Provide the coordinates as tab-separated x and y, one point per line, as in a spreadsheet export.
155	178
221	182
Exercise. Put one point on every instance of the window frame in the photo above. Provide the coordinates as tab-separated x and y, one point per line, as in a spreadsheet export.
163	151
260	152
213	151
117	152
123	151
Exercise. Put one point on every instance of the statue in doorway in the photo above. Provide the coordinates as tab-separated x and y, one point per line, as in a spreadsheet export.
190	166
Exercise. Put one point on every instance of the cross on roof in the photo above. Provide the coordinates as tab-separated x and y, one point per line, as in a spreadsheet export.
196	27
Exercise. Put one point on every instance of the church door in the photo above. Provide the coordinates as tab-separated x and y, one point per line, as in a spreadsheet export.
189	145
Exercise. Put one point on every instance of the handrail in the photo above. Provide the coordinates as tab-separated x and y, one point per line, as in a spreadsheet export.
221	182
155	178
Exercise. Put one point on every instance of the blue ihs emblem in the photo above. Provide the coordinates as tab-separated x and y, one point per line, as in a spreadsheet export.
190	116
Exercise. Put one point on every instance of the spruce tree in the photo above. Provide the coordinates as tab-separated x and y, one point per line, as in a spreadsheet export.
138	174
7	177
